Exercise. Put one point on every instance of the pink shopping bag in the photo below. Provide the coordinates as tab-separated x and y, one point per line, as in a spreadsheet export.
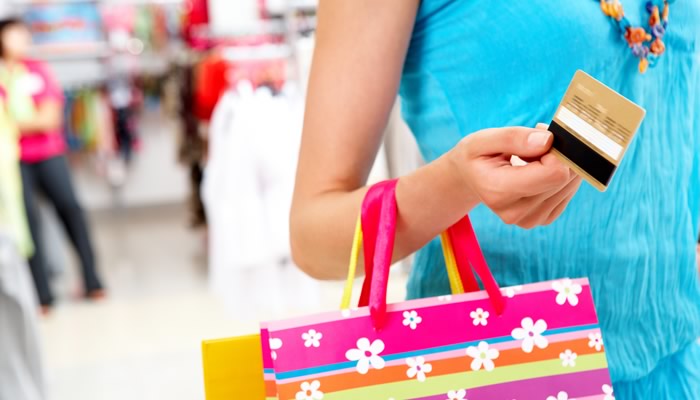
533	342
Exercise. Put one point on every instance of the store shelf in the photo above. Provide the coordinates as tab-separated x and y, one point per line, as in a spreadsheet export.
303	5
140	2
100	2
68	52
51	2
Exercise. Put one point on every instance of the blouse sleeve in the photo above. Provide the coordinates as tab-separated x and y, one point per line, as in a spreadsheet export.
50	89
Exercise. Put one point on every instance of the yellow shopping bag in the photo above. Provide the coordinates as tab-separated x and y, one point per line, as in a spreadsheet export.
233	368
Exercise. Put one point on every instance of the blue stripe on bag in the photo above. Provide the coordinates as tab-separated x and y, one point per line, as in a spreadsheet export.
280	376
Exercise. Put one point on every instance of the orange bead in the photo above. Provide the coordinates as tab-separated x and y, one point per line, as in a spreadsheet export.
613	10
657	47
636	36
643	65
654	18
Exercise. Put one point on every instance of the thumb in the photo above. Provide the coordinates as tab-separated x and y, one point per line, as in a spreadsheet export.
518	141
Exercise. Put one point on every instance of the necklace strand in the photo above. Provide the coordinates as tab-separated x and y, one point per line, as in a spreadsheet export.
647	46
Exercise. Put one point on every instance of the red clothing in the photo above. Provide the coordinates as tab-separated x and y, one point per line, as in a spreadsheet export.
211	83
40	83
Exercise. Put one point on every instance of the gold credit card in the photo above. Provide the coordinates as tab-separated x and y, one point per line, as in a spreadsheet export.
593	127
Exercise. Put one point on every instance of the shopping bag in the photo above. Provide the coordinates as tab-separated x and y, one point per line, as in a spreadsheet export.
539	341
233	368
269	353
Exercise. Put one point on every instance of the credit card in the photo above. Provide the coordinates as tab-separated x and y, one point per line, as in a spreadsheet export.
593	127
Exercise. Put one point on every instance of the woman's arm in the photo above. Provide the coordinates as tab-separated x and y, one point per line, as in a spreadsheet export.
360	51
48	118
49	104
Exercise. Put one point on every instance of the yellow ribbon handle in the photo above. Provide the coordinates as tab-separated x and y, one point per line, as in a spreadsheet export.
352	270
447	250
451	264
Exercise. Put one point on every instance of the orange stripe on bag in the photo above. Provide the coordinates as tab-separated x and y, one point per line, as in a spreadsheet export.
450	366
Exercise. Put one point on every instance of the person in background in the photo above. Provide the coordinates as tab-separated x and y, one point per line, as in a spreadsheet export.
21	371
35	102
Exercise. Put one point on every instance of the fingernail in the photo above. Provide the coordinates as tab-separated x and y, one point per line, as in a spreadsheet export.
538	138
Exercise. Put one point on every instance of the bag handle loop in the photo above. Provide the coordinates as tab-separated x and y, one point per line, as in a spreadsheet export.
376	229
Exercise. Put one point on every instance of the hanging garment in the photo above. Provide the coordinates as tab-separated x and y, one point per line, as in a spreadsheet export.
248	187
21	372
12	214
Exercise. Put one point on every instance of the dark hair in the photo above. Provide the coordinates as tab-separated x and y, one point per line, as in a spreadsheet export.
5	24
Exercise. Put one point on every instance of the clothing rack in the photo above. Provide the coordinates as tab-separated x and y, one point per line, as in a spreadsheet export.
261	52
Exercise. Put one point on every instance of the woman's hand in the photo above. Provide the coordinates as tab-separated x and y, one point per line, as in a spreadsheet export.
525	195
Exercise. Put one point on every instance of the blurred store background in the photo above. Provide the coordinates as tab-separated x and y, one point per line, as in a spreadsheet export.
183	120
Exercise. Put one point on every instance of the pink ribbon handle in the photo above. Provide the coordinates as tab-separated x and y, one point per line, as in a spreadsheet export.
467	251
371	210
383	251
464	241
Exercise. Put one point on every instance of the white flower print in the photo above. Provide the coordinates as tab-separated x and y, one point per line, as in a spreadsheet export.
483	356
595	340
411	319
445	298
310	391
511	291
275	344
531	334
568	358
568	291
460	394
312	338
560	396
347	312
480	317
367	354
418	368
608	391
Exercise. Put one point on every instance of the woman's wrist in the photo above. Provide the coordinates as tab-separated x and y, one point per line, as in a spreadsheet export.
430	200
450	162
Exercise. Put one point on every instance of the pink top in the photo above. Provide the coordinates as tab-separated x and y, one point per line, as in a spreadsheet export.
41	84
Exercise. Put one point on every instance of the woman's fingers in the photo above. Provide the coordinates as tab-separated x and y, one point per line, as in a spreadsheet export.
559	209
519	141
527	195
539	126
533	211
547	210
542	176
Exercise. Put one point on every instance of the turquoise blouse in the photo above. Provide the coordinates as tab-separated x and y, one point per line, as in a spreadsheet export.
480	64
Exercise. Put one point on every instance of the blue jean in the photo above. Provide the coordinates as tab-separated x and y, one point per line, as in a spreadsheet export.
52	178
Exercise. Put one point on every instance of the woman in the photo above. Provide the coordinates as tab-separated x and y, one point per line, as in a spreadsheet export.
36	104
465	66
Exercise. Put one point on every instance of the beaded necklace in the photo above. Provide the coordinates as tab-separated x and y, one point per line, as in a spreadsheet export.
648	46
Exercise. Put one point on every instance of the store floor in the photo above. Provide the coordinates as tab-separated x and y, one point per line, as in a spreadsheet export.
143	342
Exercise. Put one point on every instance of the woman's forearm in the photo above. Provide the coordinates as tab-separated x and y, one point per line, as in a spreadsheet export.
36	126
48	117
430	199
